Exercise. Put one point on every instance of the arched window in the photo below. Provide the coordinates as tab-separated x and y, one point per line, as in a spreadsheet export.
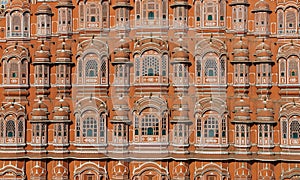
265	134
16	22
293	67
150	66
199	127
91	68
242	135
14	69
150	125
150	15
211	68
280	20
291	19
103	68
290	125
80	68
211	127
10	129
91	123
295	129
20	129
89	127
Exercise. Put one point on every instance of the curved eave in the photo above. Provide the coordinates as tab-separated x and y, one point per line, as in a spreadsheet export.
65	5
240	61
180	4
181	62
266	61
239	3
39	13
261	10
121	62
40	62
128	6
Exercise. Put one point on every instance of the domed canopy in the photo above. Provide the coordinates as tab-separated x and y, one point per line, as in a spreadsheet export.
44	9
261	6
180	3
61	110
122	3
181	53
239	2
18	4
62	104
40	105
121	54
42	52
39	111
65	3
240	52
63	50
263	53
61	113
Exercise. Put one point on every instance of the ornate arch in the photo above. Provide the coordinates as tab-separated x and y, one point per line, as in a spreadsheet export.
288	50
289	118
210	104
92	62
12	123
211	169
181	171
120	171
91	115
60	171
90	103
210	45
90	168
291	174
243	172
150	102
154	168
12	171
151	43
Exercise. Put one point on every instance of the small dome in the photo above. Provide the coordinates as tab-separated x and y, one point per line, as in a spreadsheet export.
121	54
44	9
18	4
40	105
261	5
64	46
42	51
123	1
63	50
181	53
265	112
240	51
62	104
61	112
63	54
239	2
240	45
39	113
263	52
39	109
263	46
65	3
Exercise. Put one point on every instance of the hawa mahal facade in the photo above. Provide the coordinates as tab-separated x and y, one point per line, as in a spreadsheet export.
150	89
